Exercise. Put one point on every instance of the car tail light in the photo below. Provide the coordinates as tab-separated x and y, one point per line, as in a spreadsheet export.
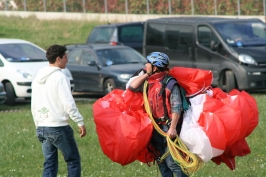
114	43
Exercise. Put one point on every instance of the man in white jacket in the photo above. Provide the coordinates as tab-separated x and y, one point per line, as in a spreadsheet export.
52	104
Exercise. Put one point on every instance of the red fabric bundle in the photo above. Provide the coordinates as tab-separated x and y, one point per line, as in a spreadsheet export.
193	80
123	128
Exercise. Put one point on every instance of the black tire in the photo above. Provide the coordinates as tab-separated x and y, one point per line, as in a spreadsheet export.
228	82
108	86
10	94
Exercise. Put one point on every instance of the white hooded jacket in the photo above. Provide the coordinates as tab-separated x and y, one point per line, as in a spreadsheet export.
52	102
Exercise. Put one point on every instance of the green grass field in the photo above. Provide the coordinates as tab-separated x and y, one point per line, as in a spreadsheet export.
45	33
20	151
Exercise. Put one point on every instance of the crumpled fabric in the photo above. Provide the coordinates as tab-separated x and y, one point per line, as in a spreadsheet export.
214	127
123	128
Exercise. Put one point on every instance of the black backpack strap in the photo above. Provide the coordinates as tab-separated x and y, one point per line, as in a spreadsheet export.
166	118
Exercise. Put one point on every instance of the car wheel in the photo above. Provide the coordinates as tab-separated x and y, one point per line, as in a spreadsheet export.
228	81
10	94
108	86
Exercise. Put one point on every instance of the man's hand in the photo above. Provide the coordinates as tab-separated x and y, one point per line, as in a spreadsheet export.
82	131
172	133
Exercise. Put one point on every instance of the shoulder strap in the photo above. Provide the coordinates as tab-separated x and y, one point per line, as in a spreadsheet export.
185	104
165	81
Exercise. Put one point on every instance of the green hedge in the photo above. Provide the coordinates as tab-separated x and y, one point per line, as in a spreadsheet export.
181	7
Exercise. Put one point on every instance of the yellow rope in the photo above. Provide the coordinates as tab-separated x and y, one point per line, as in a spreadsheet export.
188	161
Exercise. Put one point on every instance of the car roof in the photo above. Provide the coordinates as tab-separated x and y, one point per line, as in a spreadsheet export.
202	19
11	41
95	46
120	24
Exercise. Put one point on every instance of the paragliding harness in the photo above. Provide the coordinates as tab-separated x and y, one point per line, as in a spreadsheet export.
166	119
185	103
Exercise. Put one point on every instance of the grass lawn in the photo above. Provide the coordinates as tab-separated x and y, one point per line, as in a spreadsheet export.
21	153
45	33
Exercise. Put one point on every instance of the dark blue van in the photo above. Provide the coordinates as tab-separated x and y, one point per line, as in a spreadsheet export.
129	34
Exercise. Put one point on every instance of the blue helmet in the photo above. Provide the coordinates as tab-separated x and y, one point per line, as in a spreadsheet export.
158	59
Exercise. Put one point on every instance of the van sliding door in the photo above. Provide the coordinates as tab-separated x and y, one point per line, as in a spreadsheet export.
179	45
175	40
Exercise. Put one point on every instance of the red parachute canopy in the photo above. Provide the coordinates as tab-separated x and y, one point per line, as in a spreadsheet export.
239	117
124	129
193	80
224	119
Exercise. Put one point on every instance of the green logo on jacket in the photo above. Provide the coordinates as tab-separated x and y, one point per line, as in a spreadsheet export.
44	110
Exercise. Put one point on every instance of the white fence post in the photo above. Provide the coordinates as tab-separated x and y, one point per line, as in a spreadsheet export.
169	6
25	5
215	7
126	6
238	7
5	3
84	6
148	7
64	2
264	8
192	7
44	5
105	6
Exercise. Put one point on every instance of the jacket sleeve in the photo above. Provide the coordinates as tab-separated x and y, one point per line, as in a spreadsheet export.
175	100
136	75
68	101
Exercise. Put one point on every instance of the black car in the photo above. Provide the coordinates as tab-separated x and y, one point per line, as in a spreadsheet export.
102	68
129	34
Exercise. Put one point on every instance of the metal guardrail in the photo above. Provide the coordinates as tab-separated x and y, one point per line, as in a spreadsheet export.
84	6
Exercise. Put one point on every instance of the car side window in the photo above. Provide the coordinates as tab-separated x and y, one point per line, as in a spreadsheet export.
74	57
101	34
155	34
133	33
258	29
205	36
86	58
171	36
32	52
19	52
178	37
185	37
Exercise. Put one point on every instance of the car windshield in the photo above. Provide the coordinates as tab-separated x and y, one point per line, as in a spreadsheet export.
243	34
120	56
101	35
22	52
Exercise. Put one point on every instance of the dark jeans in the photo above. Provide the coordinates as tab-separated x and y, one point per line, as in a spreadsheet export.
168	167
62	138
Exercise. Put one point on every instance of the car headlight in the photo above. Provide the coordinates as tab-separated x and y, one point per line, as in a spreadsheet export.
25	74
247	59
125	76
